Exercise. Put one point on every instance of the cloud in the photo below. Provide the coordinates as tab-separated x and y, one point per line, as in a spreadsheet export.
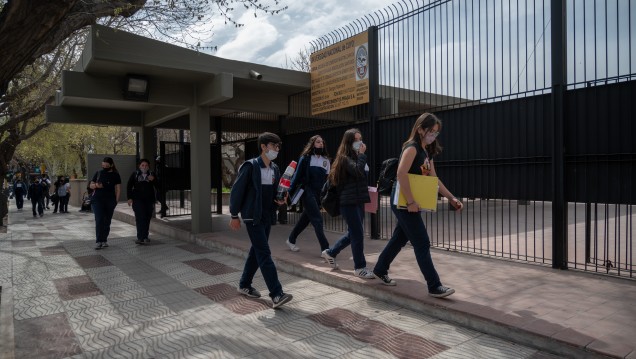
257	34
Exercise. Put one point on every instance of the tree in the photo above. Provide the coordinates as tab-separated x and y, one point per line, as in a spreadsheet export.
302	61
38	41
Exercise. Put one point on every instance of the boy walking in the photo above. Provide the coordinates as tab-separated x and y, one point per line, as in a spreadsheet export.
253	195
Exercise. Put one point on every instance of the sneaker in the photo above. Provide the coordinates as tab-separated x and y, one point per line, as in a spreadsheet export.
363	273
292	246
139	241
147	241
281	299
386	280
331	260
104	244
98	246
441	292
250	292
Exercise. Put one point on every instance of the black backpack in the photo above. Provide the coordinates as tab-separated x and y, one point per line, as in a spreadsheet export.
388	173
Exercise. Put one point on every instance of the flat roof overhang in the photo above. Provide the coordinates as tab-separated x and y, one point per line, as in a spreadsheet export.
178	79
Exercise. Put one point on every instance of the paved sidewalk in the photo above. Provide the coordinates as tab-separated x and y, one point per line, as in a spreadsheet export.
177	299
568	312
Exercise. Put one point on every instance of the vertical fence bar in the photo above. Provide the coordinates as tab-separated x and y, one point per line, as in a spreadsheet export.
374	101
559	73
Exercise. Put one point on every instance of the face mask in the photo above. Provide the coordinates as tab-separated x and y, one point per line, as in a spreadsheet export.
271	154
428	139
318	151
144	170
356	145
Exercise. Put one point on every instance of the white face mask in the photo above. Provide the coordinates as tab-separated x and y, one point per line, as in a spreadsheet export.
356	145
271	154
428	139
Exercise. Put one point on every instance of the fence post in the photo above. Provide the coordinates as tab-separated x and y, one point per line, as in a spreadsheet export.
374	89
559	80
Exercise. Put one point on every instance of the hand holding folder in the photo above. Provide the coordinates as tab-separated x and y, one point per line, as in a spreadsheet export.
424	190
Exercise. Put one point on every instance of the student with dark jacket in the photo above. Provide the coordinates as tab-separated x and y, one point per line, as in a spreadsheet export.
36	195
19	190
141	196
313	169
253	195
349	175
107	186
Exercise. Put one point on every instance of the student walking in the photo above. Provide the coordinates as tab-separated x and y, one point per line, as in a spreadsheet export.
313	168
107	185
63	191
349	175
416	158
140	192
253	196
36	195
19	190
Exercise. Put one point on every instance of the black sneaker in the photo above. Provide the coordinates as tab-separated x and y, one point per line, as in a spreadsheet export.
147	241
104	244
98	246
386	280
139	241
249	292
281	299
441	292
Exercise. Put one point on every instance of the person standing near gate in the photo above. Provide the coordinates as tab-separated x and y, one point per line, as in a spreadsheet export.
140	192
416	158
349	175
253	196
107	186
313	169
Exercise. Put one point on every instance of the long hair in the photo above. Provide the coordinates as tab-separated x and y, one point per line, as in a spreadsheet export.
426	122
345	151
309	147
110	161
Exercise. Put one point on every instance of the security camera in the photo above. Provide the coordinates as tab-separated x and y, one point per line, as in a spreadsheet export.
255	75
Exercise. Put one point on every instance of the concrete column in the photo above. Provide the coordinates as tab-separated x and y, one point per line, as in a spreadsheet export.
147	143
200	171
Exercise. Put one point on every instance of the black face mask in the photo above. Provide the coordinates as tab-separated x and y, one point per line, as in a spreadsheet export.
318	151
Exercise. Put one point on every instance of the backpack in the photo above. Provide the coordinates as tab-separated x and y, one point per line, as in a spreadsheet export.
388	173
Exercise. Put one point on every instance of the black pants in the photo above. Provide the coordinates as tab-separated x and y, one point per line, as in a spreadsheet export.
39	203
143	213
103	208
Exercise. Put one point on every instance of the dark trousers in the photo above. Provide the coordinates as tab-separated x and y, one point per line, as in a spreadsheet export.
260	256
39	203
410	227
311	214
143	213
19	201
48	199
354	216
103	208
62	203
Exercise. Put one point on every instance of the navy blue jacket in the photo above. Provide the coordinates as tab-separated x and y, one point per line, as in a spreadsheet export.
246	196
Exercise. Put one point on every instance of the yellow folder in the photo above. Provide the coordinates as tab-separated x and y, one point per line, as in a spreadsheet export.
424	190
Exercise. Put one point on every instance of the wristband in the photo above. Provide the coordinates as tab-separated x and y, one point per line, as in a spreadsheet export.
234	217
409	203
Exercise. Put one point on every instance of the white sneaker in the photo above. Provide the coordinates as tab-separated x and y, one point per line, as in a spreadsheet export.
331	260
364	273
292	246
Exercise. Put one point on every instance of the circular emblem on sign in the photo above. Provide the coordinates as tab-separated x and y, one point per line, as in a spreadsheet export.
361	62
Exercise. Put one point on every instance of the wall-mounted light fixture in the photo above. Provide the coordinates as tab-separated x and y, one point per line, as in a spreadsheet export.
136	88
255	75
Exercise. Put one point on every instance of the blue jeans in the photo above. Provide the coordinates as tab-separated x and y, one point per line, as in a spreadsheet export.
260	256
410	227
103	208
143	213
354	216
311	214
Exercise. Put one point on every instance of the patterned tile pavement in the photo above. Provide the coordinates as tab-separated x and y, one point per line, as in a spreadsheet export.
62	299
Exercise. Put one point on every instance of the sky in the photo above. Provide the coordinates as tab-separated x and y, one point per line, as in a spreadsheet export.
271	40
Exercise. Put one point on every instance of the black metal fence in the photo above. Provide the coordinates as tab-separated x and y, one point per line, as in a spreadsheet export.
525	145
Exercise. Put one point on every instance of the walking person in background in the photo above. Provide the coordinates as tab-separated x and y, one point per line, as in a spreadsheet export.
349	175
46	181
19	190
416	158
107	186
312	172
140	192
36	195
253	196
67	195
60	191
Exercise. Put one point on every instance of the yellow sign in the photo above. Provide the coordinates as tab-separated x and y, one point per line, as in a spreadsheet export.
340	75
